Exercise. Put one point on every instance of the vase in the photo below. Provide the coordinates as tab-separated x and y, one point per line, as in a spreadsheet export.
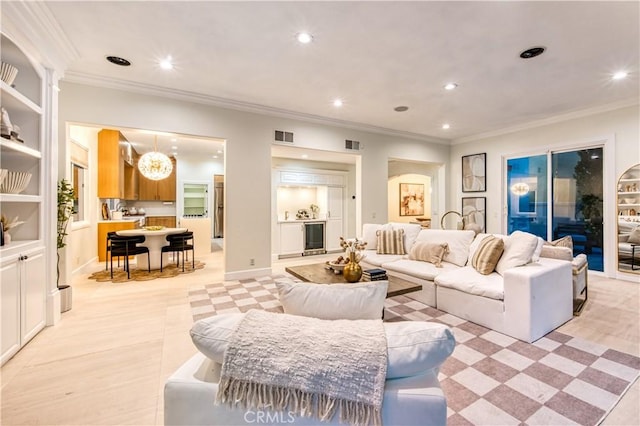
7	237
352	271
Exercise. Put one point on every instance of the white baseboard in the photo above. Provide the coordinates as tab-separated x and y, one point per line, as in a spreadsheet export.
249	273
87	268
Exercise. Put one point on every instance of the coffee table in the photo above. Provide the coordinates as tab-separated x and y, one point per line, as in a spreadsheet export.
318	273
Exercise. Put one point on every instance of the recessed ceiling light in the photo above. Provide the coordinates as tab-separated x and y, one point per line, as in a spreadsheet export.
304	38
219	152
532	53
620	75
446	126
401	108
118	61
304	156
174	140
166	64
450	86
215	156
337	103
174	147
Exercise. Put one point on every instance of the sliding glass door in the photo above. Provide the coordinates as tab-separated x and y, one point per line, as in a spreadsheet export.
573	181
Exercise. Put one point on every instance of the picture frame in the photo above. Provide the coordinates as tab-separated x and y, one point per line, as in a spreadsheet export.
474	177
411	199
474	210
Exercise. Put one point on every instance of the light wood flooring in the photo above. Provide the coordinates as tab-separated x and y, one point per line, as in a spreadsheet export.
106	362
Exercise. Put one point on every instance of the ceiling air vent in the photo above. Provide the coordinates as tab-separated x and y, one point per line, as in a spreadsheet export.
281	136
354	145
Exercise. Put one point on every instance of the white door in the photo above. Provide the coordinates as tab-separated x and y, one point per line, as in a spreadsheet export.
10	293
34	293
291	238
335	217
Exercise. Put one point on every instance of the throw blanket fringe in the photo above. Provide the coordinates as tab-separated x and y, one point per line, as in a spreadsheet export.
247	394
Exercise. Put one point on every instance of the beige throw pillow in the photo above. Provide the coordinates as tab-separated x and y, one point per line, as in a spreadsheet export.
634	237
565	241
390	242
429	252
488	255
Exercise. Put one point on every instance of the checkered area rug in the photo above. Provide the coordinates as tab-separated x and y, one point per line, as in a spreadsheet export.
491	378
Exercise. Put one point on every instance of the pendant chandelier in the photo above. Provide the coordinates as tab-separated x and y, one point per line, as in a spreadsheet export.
155	165
520	189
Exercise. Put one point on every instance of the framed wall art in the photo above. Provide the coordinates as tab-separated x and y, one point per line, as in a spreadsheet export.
411	199
473	173
474	210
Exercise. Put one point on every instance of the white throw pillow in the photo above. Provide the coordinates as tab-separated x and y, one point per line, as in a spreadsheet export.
334	301
413	346
411	231
519	248
459	242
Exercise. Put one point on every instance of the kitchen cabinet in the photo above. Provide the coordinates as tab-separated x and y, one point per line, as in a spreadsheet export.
158	190
131	176
166	221
113	148
23	291
104	228
335	218
291	239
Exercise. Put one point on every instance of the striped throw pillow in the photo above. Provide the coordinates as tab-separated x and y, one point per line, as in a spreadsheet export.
488	254
390	241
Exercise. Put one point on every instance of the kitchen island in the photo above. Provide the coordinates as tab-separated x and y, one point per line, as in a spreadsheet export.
154	241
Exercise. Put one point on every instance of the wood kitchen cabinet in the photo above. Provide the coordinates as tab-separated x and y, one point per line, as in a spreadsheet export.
166	221
113	154
103	229
158	190
131	177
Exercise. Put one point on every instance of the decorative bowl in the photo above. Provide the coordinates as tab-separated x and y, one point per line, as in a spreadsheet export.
15	182
8	73
337	266
154	228
629	200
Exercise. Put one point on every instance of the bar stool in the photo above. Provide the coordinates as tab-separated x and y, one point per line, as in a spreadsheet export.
179	243
121	246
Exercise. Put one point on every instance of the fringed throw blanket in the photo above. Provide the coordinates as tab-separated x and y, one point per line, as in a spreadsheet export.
306	366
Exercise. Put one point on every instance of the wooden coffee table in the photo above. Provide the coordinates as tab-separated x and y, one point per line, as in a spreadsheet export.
318	273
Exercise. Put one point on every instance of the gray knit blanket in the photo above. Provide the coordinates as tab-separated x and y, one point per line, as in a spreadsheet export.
306	366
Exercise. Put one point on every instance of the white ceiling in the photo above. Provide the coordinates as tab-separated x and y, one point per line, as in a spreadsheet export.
185	146
374	55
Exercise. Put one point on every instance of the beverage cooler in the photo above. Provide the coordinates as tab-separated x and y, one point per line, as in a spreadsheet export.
195	200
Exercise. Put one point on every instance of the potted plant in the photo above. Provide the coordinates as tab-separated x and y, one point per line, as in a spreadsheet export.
65	210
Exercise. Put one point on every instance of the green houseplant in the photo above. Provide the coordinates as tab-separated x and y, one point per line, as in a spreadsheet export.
65	210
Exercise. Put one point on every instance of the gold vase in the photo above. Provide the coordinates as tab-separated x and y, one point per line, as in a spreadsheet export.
352	271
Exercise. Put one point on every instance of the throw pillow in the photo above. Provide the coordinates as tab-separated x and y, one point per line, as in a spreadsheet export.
518	251
560	253
634	237
429	252
334	301
413	346
459	242
411	231
369	236
390	242
565	241
488	254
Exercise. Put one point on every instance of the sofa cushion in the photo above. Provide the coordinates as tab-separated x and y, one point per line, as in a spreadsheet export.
519	248
560	253
429	252
371	257
487	255
459	242
413	346
634	237
468	280
369	234
333	301
390	241
411	231
423	270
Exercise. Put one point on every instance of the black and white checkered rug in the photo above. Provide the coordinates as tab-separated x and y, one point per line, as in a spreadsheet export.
491	378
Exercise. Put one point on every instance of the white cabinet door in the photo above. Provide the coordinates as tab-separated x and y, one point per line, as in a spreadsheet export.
291	238
10	293
34	292
335	213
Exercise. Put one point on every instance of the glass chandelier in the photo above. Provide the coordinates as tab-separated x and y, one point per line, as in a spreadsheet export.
155	165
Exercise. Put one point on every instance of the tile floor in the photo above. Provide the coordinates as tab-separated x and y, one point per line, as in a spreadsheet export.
106	361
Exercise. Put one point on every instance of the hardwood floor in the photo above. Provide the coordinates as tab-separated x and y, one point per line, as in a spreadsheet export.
107	360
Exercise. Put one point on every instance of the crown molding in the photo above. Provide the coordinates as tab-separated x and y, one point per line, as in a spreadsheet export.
182	95
547	121
45	40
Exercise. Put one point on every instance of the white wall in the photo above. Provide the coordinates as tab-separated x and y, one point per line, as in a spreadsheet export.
620	127
394	196
247	158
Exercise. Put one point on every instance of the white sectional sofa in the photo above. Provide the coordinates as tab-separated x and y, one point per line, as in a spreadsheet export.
525	302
